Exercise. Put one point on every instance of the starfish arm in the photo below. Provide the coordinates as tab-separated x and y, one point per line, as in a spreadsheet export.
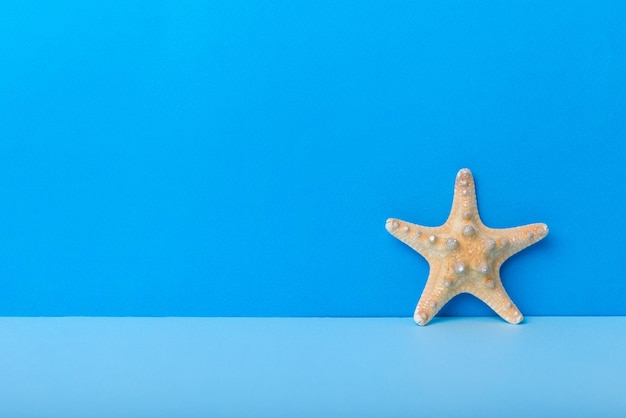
464	201
498	300
513	240
435	295
420	238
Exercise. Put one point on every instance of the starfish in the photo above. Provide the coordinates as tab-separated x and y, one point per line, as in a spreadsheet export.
464	255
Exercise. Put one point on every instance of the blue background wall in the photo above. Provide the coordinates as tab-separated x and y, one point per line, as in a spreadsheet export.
241	158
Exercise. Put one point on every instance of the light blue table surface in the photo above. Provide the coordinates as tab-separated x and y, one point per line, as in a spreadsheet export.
318	367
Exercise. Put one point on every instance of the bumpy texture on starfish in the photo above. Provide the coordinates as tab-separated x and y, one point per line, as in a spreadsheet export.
464	255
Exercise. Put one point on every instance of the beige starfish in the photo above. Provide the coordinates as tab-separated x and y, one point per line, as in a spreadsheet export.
464	255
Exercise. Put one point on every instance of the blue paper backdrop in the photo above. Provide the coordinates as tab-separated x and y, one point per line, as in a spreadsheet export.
241	158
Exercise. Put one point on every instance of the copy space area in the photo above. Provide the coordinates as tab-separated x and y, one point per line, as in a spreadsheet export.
312	367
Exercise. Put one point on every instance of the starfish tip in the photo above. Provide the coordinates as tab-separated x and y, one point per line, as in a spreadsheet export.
391	224
464	172
421	318
541	230
463	179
